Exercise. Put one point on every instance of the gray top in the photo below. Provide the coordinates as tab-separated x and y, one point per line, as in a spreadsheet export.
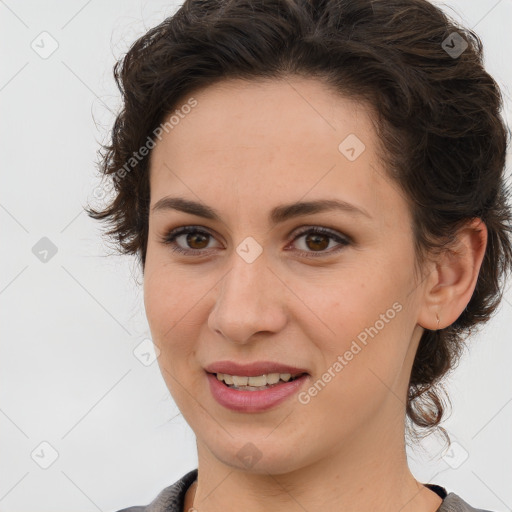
172	498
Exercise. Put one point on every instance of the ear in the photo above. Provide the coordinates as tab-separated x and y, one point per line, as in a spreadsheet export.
450	285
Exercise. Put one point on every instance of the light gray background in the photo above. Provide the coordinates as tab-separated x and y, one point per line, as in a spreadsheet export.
69	375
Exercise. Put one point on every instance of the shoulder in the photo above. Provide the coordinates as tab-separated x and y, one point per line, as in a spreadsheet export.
170	499
454	503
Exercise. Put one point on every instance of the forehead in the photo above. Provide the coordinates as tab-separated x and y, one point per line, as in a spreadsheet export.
251	113
271	138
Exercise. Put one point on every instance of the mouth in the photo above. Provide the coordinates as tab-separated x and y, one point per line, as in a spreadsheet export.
255	383
254	393
256	386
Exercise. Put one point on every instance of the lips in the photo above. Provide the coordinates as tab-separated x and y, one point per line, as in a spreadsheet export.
254	401
253	369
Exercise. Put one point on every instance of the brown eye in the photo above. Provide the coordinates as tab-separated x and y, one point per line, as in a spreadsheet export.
197	240
317	242
194	240
318	239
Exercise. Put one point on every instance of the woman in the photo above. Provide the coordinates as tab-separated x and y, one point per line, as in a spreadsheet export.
315	192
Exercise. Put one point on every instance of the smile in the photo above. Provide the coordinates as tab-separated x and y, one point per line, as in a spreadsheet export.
245	383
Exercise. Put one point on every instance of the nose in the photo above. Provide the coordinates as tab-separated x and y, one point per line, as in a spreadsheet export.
250	299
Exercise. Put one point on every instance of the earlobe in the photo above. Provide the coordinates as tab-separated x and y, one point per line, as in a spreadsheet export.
450	286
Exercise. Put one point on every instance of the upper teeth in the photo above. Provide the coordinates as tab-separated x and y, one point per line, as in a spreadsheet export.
260	380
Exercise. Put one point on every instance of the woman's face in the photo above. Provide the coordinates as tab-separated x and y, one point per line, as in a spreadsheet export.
259	284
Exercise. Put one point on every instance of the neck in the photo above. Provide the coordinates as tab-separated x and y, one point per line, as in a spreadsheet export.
367	473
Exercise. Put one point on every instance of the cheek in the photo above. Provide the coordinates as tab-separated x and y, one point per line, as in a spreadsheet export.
177	301
372	344
370	331
359	375
174	303
170	310
360	306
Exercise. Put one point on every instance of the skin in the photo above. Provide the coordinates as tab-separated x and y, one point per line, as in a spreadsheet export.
245	148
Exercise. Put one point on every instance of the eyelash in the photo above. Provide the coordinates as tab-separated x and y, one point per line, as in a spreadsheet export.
170	237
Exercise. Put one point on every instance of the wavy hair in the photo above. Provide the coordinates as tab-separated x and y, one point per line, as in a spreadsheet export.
437	115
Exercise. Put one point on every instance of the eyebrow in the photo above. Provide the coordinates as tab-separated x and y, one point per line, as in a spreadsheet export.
278	214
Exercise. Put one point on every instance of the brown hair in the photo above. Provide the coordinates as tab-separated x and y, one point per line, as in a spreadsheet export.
437	115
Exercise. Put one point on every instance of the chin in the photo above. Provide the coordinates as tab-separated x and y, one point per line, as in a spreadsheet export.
256	454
